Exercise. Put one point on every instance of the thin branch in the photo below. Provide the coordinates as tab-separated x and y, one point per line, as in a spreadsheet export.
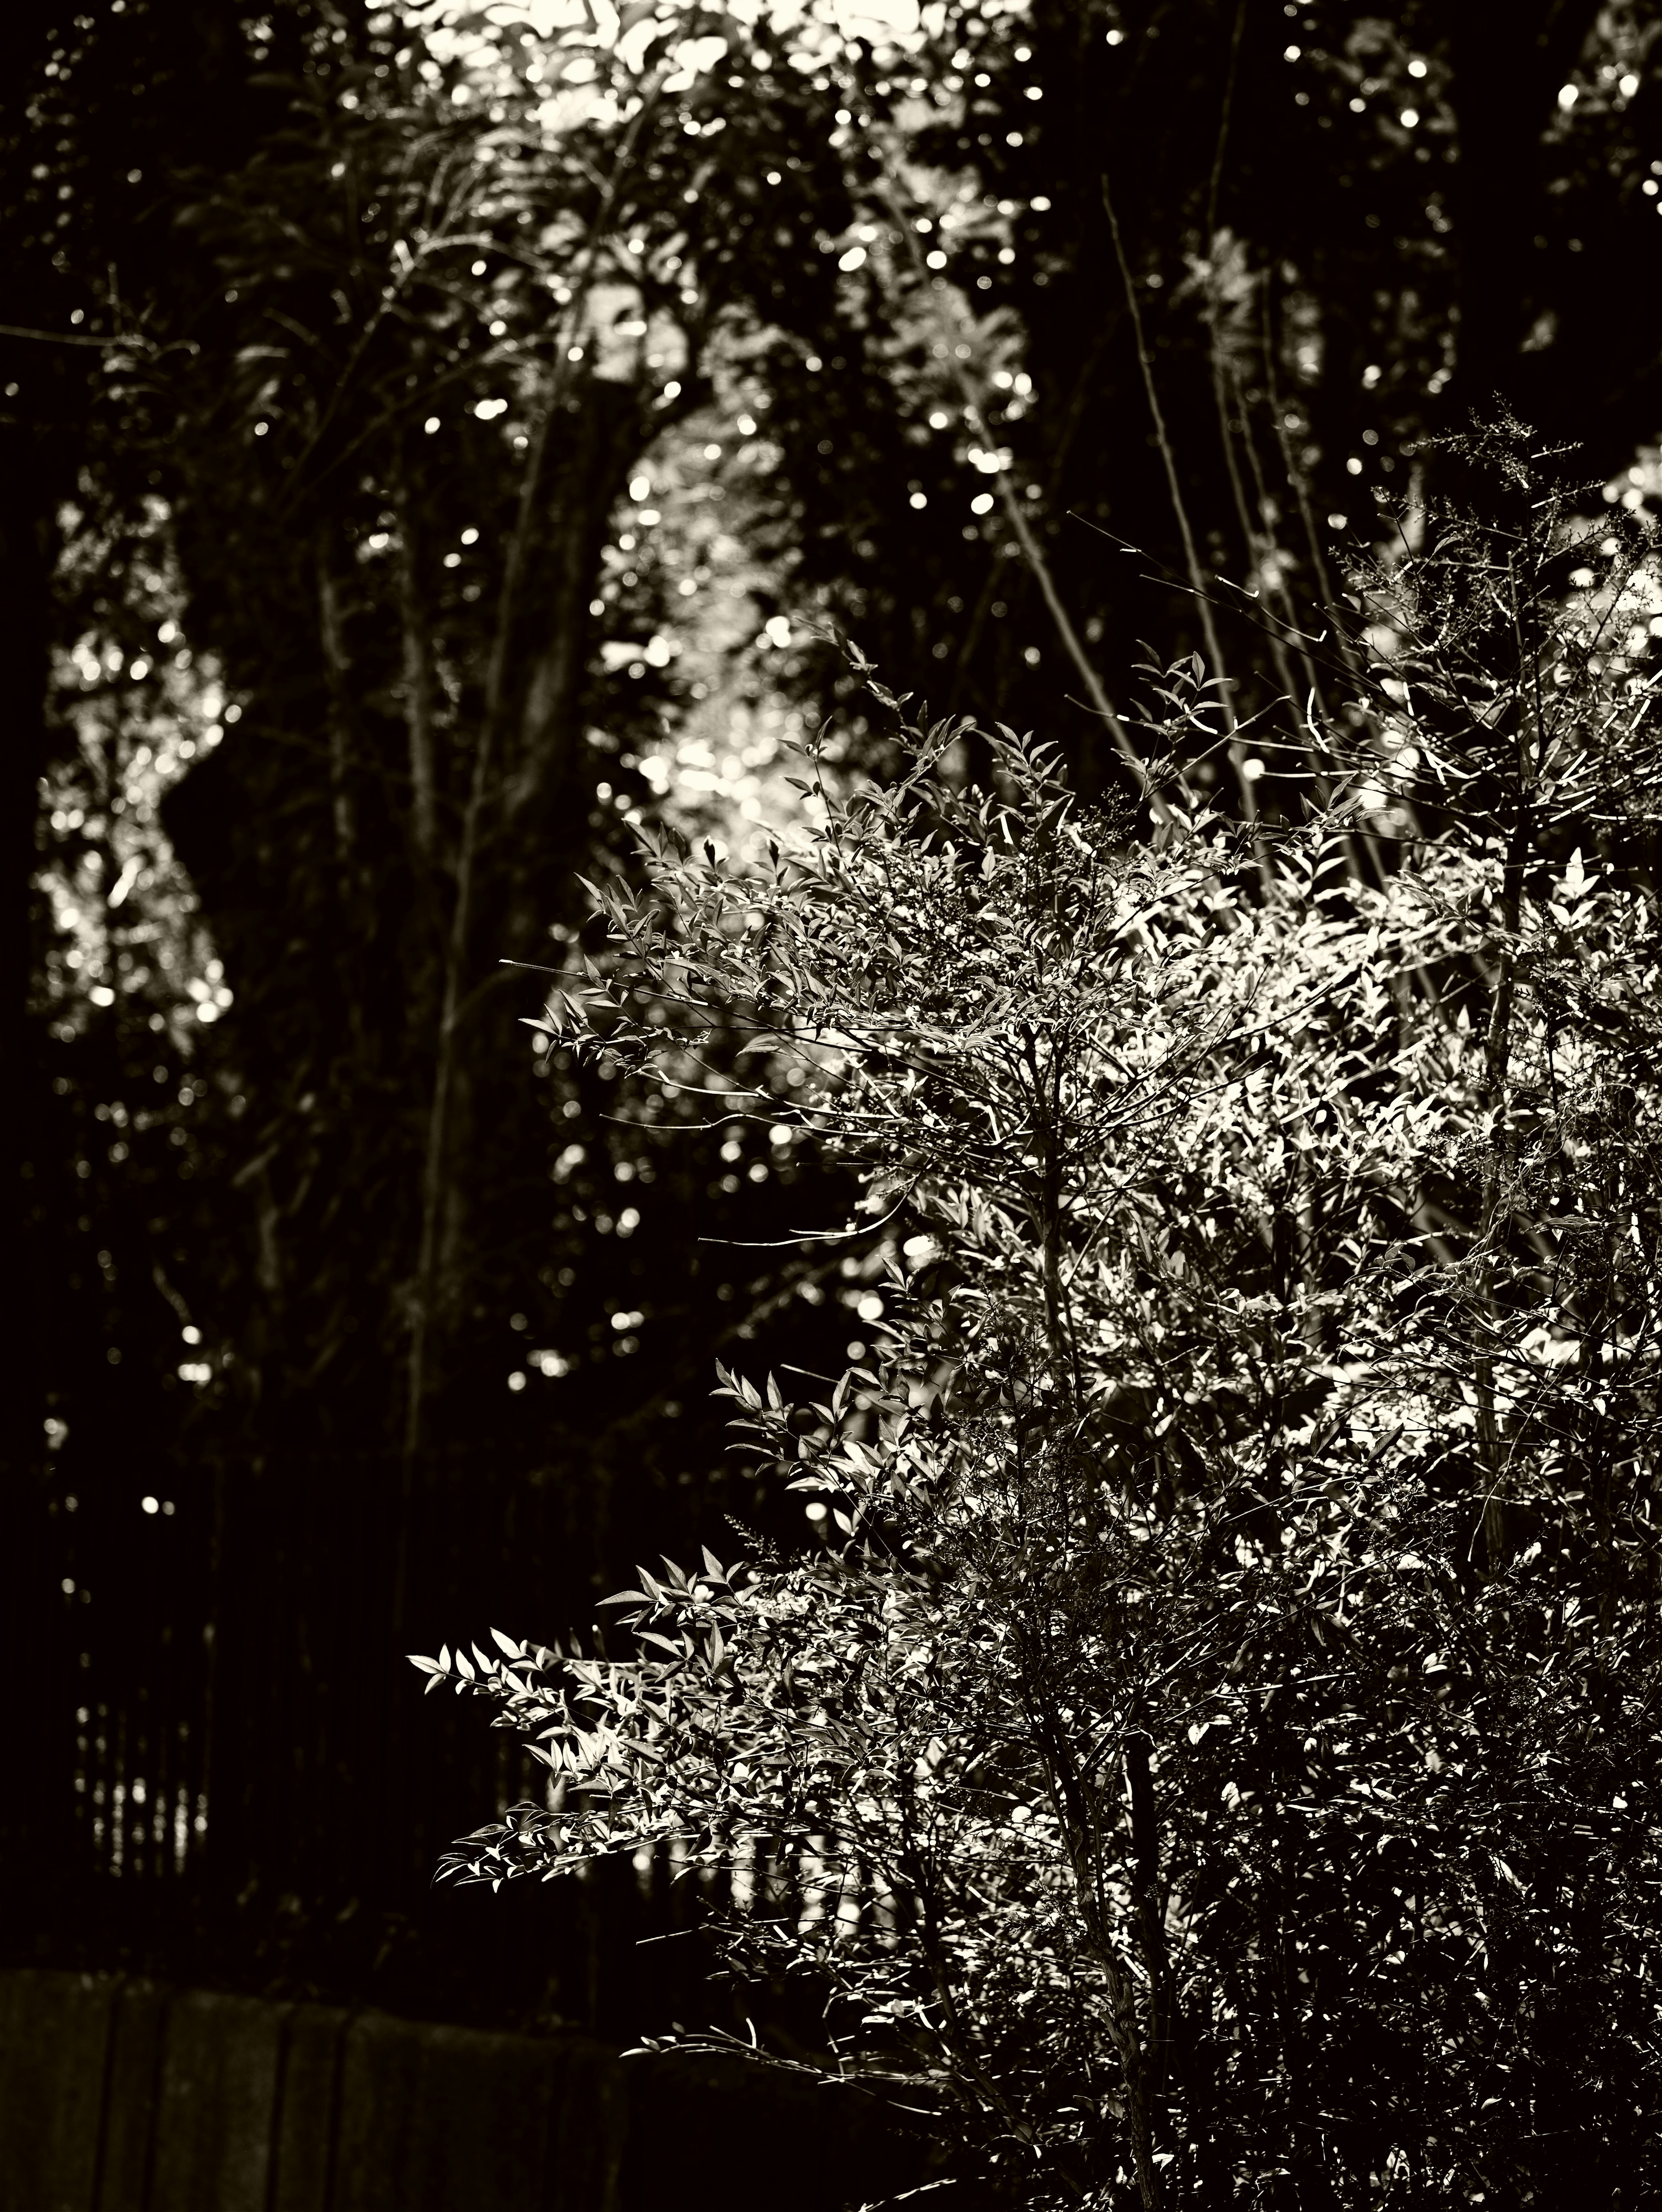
1032	552
1191	558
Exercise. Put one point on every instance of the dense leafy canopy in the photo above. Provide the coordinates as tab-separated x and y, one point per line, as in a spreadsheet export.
470	396
433	443
1213	1749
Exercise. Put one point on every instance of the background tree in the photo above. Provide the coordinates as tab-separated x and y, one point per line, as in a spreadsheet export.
404	1325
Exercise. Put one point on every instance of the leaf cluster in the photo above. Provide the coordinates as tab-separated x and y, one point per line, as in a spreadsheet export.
1211	1736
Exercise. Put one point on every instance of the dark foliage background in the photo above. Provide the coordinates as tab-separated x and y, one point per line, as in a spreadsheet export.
363	578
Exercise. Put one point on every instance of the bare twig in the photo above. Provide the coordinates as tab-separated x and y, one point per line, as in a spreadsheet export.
1191	559
1032	552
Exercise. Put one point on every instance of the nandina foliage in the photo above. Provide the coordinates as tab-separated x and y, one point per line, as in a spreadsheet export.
1209	1747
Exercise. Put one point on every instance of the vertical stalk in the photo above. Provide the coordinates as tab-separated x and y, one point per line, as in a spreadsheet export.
338	670
1032	553
1072	1796
1016	515
1145	1852
1046	1105
1134	2065
1271	545
1197	583
1215	182
454	998
1222	389
956	2039
1295	476
1296	481
1499	1162
1500	1158
461	913
418	686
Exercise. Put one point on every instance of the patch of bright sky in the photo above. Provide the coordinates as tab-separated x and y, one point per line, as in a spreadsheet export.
897	26
577	34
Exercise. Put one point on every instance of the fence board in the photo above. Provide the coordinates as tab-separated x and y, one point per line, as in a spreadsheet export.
123	2097
309	2101
442	2120
54	2053
222	2060
133	2080
587	2143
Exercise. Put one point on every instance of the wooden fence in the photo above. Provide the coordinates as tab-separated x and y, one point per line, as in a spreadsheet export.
226	1778
121	2095
230	1772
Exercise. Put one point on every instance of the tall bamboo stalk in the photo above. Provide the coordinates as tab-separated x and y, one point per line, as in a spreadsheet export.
1295	475
337	675
455	1000
1198	582
418	684
1252	535
1032	552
